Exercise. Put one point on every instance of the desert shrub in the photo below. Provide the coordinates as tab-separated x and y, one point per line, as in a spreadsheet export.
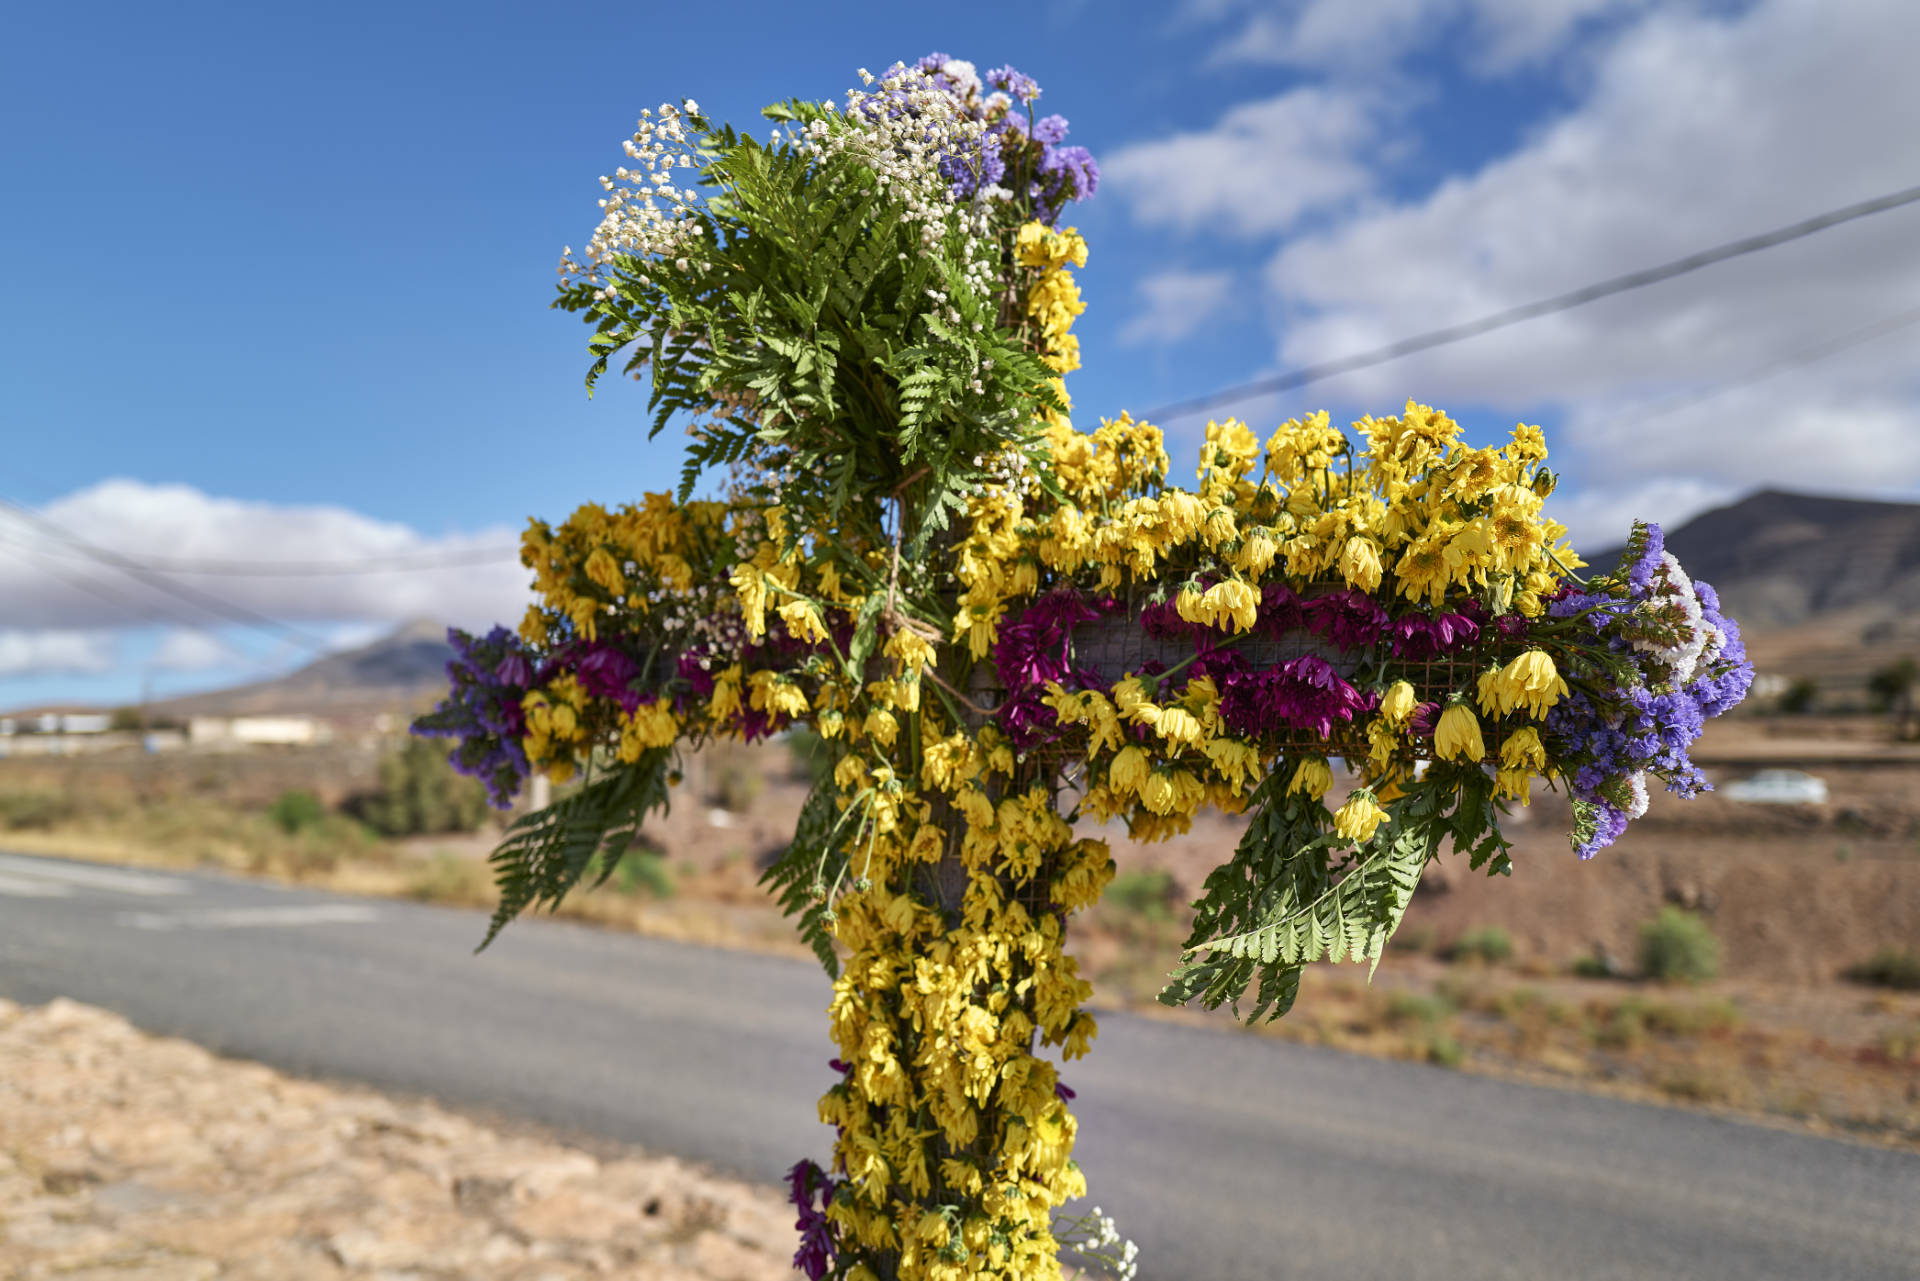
1146	891
1678	947
420	793
448	878
1416	1007
1487	944
1800	696
1897	968
642	872
34	811
734	784
296	811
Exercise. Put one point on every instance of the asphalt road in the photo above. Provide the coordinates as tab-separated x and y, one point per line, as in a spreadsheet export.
1223	1155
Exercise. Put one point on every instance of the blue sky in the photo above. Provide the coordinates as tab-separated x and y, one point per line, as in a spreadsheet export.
277	275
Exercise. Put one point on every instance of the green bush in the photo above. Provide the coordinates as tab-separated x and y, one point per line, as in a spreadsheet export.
294	812
1677	946
1147	892
1488	944
419	793
642	872
1889	967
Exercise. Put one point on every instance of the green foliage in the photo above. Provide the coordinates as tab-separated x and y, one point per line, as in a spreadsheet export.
1148	892
419	793
804	878
296	811
546	853
1897	968
1677	946
816	335
1800	696
1292	894
1487	944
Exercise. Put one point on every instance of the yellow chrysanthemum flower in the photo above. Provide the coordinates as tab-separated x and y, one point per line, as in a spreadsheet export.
1457	738
1312	777
1357	820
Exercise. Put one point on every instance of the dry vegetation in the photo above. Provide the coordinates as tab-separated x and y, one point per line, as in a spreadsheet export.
1542	975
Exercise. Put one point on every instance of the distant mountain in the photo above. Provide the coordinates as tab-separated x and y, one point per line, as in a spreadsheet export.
1778	559
1823	587
395	672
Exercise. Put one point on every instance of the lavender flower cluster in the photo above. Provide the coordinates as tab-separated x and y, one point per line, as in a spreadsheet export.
1671	661
489	676
1024	157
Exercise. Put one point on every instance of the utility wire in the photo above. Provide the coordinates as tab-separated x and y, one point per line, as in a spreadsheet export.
400	562
158	582
1533	310
1799	360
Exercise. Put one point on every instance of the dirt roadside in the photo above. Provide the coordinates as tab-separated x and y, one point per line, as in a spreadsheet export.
124	1155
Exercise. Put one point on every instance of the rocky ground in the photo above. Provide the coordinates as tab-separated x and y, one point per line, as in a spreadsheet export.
136	1158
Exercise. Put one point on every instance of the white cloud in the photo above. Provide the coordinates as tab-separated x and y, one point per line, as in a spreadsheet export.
1597	519
56	652
1504	34
1175	304
191	650
1695	130
178	522
1257	170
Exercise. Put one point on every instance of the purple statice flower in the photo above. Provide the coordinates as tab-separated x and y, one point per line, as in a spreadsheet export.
1015	84
1063	1092
1064	174
1686	663
817	1249
1049	131
488	677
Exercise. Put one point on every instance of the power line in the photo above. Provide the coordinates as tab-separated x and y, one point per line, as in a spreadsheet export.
1799	360
399	562
191	595
1533	310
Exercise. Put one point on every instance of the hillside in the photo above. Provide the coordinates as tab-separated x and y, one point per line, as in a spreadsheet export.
1824	587
395	672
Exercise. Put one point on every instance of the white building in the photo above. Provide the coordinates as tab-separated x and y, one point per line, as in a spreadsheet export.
254	731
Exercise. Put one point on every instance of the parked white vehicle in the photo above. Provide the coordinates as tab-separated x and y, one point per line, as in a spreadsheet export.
1779	787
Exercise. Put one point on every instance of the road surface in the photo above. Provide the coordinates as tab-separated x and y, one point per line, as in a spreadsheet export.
1224	1155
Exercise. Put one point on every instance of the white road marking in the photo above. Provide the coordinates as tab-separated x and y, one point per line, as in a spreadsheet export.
233	918
16	887
87	876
